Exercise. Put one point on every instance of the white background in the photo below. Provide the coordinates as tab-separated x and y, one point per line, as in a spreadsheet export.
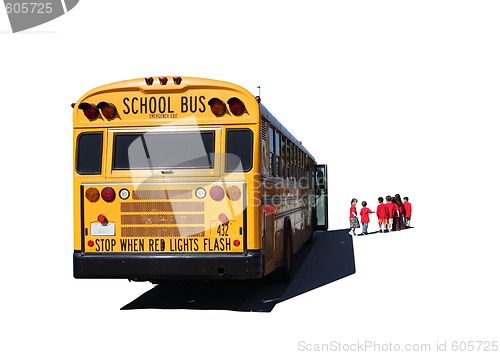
395	96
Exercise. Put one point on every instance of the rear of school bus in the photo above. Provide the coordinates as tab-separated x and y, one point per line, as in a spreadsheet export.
164	181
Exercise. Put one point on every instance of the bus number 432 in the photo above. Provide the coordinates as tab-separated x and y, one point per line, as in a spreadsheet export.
223	229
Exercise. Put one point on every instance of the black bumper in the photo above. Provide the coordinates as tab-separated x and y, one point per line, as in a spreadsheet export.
153	267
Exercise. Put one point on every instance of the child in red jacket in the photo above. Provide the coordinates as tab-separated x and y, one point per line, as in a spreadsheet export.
407	211
365	217
382	215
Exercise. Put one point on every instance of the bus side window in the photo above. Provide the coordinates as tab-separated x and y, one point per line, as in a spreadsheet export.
89	153
239	149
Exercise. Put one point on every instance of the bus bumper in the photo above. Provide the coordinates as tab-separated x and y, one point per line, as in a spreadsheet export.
154	267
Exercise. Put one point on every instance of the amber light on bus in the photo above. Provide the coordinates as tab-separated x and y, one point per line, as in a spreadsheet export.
236	106
217	106
108	194
234	193
90	110
92	194
108	109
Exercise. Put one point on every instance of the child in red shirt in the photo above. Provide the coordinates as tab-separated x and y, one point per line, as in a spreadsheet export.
390	210
353	217
407	211
382	214
365	217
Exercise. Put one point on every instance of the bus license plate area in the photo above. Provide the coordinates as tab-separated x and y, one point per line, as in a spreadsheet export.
98	229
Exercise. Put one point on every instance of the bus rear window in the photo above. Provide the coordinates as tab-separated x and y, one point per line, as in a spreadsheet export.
164	150
89	153
239	148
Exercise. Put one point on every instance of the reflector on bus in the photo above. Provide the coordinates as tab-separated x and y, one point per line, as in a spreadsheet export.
90	110
217	106
108	109
236	106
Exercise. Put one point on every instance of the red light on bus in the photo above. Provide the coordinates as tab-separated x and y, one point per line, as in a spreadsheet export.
163	80
108	194
177	80
149	80
92	194
217	106
236	106
90	243
258	99
108	109
102	219
217	193
223	218
90	110
236	243
234	193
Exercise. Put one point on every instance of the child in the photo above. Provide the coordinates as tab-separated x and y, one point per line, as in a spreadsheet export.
390	210
396	226
365	217
353	217
382	215
407	211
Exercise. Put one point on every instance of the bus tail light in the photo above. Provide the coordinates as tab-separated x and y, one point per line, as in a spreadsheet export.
217	193
108	194
236	243
102	219
92	194
234	193
217	106
108	109
236	106
90	110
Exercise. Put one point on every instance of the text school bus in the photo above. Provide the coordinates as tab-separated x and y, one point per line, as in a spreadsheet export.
188	178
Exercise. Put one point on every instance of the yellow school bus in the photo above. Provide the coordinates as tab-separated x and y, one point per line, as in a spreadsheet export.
188	178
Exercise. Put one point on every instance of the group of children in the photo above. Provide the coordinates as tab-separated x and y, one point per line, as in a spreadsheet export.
393	214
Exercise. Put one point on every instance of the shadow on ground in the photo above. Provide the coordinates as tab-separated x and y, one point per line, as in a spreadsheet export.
328	258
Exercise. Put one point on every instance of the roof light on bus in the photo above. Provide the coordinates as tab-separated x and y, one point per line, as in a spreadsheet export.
90	110
217	106
149	80
163	80
236	106
177	80
108	109
102	219
234	193
92	194
217	193
108	194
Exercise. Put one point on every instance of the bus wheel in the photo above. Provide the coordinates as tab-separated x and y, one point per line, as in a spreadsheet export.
286	269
